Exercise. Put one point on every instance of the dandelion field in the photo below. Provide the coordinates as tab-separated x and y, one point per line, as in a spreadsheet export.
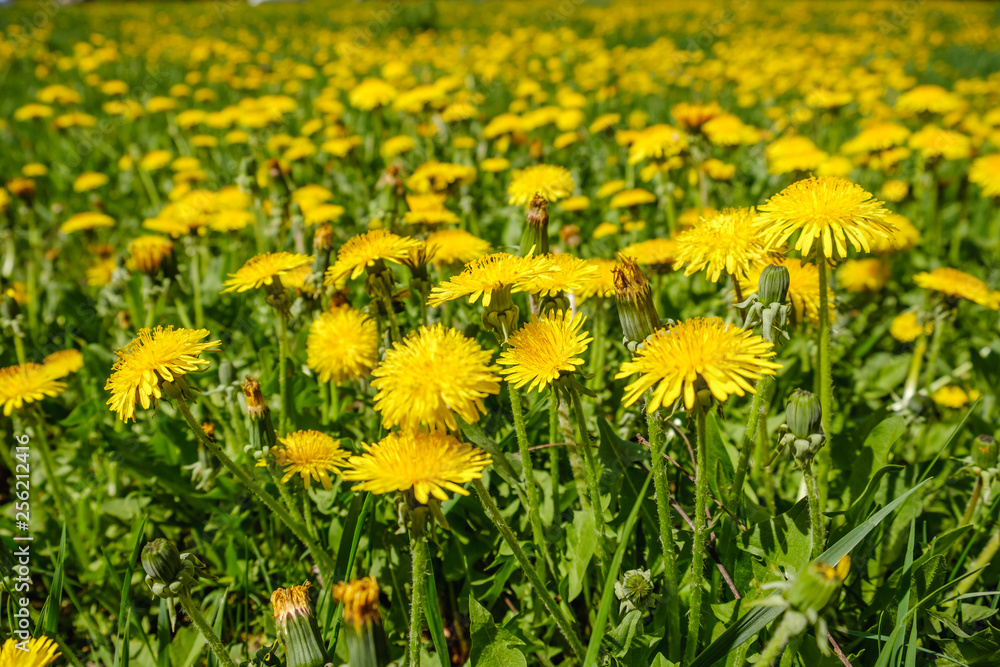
416	333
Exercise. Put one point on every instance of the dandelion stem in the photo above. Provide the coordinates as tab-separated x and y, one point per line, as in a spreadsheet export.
590	470
698	545
493	513
214	643
825	379
657	445
419	560
283	369
757	410
941	323
817	529
323	559
970	510
530	484
554	451
195	273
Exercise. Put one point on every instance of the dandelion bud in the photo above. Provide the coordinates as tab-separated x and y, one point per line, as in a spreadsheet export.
817	586
773	285
161	560
984	452
297	628
502	315
635	303
803	414
635	590
536	228
262	434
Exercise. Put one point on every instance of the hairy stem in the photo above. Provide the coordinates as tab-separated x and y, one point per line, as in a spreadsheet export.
531	486
214	643
758	408
419	559
825	379
657	444
590	470
700	538
817	522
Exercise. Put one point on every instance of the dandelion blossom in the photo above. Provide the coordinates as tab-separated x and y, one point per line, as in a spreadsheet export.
830	212
27	383
153	357
705	349
342	345
432	464
863	275
551	182
64	362
543	349
456	245
41	652
958	285
727	242
433	375
489	274
312	455
364	250
264	269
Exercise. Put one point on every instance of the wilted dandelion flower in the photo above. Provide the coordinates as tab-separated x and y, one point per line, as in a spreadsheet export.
365	250
434	374
312	455
829	211
542	350
262	270
491	273
153	357
906	327
985	172
706	349
148	252
803	289
456	245
958	285
727	242
863	275
342	345
86	220
551	182
41	652
28	383
431	464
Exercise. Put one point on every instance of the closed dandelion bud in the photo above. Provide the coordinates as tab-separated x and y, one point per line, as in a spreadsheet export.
635	590
816	587
297	628
634	298
773	285
366	643
161	560
536	227
803	414
502	315
984	452
262	434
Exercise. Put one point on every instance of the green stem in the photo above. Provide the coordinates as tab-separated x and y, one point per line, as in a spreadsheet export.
494	515
940	324
657	445
57	492
199	314
757	409
554	451
324	403
982	560
700	535
530	484
590	470
913	375
283	369
419	559
393	324
323	559
817	527
970	510
214	643
825	377
791	625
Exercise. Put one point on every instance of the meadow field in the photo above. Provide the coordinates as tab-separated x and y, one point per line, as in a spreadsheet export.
414	333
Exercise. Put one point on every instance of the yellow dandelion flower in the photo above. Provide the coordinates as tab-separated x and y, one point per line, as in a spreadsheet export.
495	164
262	270
904	236
705	349
456	245
431	464
601	284
954	397
958	285
610	188
490	273
634	197
793	153
89	181
437	176
936	142
985	172
28	383
657	142
153	357
148	252
434	374
604	230
397	146
878	137
895	190
729	130
365	250
360	600
34	170
829	211
863	275
41	652
63	362
726	243
803	289
312	455
428	209
574	203
690	217
342	345
570	275
906	327
692	115
99	273
320	213
542	350
372	93
154	160
551	182
928	98
86	220
32	111
653	252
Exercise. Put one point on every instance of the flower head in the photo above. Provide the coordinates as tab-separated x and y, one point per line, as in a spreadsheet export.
360	600
434	374
28	383
863	275
155	356
601	282
456	245
542	350
705	350
342	345
262	270
551	182
86	220
829	211
630	198
985	172
953	396
727	242
64	362
490	273
41	651
148	253
657	142
429	463
654	252
958	285
365	250
571	274
311	454
906	327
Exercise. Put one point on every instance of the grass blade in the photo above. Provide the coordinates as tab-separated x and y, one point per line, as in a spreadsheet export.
123	610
